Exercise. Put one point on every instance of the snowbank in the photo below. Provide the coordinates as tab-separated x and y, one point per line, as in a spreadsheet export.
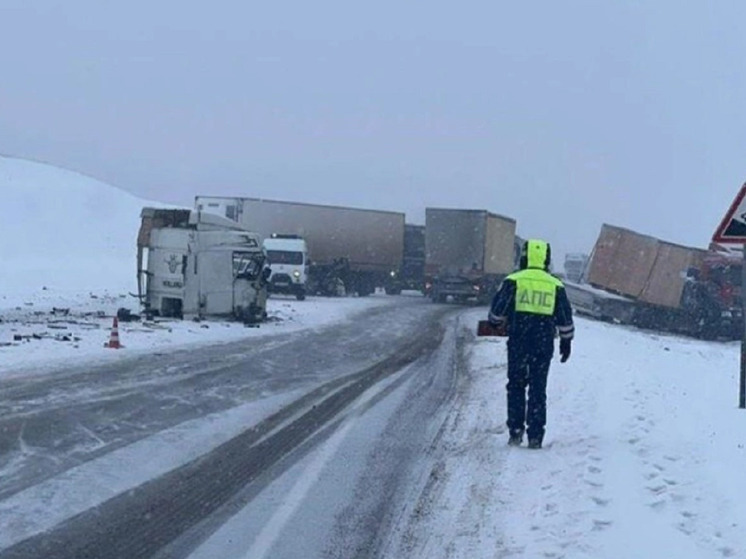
64	231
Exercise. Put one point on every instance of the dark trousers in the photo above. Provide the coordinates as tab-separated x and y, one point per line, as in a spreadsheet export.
527	369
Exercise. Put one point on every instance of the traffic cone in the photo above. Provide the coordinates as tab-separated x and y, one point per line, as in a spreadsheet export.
114	338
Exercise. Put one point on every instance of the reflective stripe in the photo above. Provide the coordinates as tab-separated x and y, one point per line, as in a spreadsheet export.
492	317
566	332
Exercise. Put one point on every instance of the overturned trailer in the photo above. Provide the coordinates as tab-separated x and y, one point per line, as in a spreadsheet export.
641	280
192	264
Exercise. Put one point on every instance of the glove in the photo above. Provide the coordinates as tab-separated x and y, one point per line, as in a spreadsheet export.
565	348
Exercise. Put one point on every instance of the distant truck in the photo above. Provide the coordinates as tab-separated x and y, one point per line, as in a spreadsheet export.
643	281
193	264
350	250
468	253
412	273
575	264
288	259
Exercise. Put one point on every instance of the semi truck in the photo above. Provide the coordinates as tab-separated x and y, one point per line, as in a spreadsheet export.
644	281
193	264
575	264
351	250
467	253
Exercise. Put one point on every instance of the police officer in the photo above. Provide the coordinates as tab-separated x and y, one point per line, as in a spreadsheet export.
533	304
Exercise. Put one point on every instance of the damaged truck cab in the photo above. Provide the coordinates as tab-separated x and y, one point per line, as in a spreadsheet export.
195	265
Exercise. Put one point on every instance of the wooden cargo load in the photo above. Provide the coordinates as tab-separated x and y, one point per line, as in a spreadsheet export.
668	276
641	266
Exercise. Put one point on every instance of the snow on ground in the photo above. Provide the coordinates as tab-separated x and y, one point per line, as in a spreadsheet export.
69	264
34	338
643	457
65	231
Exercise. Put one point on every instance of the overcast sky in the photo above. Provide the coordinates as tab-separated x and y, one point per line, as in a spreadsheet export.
563	115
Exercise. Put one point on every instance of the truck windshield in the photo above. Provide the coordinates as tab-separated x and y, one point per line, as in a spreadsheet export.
285	257
247	265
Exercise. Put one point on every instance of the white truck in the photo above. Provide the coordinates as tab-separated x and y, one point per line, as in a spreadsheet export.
193	264
288	259
351	250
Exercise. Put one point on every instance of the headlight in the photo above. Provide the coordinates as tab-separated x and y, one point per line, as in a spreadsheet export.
476	288
296	274
392	274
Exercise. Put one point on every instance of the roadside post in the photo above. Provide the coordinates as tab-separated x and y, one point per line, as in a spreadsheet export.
732	230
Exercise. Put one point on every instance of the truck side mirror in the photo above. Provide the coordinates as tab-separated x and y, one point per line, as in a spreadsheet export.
266	273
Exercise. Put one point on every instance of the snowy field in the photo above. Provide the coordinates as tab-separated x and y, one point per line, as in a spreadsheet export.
643	457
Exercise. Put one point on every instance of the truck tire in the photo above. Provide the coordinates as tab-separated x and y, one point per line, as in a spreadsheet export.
300	295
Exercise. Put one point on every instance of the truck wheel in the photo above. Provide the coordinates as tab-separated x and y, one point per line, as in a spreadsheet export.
300	295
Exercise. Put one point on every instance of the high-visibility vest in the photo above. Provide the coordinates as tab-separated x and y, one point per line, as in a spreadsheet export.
536	291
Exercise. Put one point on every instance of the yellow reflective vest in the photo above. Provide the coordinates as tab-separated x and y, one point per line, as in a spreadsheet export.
536	291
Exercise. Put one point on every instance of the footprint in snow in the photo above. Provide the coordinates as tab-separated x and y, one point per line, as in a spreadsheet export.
657	489
601	502
600	525
657	505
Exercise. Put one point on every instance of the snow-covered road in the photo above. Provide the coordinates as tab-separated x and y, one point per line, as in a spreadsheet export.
642	458
76	438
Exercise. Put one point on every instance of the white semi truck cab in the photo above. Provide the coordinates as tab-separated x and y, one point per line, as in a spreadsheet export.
288	259
193	264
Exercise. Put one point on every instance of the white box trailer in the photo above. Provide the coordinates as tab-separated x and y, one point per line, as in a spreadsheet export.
363	247
194	264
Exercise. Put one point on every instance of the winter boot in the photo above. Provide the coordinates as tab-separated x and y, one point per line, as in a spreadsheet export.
534	443
516	437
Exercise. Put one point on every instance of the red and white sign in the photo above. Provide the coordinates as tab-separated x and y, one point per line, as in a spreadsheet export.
732	230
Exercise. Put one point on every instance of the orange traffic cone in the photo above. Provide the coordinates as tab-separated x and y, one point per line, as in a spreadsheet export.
114	338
